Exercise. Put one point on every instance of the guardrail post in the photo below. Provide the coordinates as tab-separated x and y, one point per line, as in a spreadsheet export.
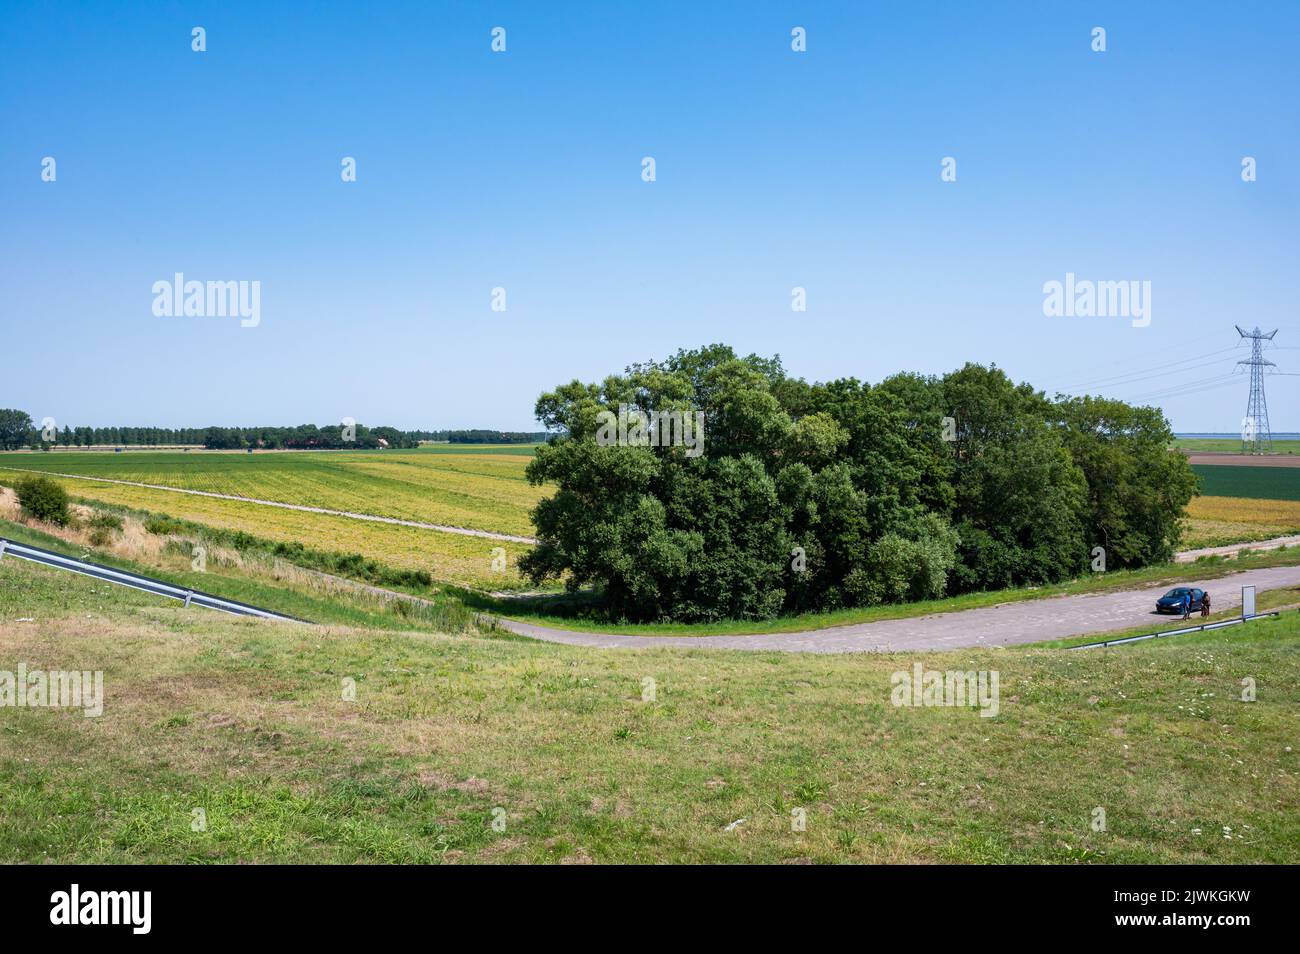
188	595
3	544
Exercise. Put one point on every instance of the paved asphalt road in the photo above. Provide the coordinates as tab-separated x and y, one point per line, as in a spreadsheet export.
1027	621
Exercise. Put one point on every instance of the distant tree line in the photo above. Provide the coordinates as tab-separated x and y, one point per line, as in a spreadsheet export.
17	430
840	494
491	437
309	436
306	437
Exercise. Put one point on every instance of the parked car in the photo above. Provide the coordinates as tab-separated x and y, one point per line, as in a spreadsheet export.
1172	602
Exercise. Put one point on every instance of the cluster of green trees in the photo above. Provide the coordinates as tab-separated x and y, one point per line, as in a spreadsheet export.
820	496
17	430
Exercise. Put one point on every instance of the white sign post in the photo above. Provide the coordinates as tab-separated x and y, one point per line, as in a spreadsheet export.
1247	602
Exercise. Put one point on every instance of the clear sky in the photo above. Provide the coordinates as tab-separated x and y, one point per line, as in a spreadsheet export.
522	170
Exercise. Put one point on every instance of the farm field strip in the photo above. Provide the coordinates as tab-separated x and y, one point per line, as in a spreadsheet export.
1259	483
1219	521
288	506
450	557
474	492
1229	445
1243	460
1272	513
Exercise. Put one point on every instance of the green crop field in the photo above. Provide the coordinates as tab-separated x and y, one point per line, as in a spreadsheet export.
1261	483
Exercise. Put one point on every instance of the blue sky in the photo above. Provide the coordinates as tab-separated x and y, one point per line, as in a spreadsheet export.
522	170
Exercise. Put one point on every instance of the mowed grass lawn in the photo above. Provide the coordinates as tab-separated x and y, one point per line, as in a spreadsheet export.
473	490
247	721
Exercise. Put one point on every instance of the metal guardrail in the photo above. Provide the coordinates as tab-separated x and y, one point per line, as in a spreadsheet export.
190	597
1205	627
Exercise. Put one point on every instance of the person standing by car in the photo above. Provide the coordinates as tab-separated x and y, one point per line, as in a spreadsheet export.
1187	603
1205	603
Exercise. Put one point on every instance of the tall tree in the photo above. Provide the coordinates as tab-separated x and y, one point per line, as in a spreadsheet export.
15	428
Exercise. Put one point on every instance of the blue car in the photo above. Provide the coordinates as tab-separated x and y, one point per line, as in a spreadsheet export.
1172	602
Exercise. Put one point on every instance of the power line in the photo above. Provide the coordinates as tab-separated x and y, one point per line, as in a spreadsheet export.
1188	387
1145	372
1142	377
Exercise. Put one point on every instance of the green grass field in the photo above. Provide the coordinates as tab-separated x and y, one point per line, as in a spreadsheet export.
1259	483
447	734
1229	445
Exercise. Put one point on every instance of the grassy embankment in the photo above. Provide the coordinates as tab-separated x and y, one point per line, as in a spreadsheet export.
254	578
247	721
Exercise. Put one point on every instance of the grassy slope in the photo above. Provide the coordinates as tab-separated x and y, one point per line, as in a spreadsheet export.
246	721
302	598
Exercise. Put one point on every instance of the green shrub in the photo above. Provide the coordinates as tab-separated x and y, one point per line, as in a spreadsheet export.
352	565
105	521
102	526
43	499
163	526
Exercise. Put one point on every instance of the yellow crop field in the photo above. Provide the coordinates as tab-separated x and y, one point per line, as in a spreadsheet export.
1218	521
477	491
450	557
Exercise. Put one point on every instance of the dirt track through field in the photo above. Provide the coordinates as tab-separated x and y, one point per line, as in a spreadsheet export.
1222	459
486	534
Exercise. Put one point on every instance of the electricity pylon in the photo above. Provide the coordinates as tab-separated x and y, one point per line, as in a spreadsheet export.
1255	435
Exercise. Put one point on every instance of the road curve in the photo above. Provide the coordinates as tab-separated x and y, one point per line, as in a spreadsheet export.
1007	624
